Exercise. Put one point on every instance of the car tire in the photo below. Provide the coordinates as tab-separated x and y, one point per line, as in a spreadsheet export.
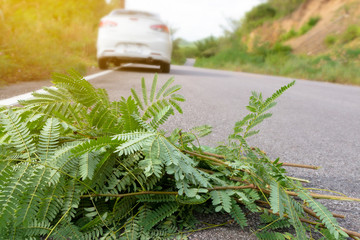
103	64
165	67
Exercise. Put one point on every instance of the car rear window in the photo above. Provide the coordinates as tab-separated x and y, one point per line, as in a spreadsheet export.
131	13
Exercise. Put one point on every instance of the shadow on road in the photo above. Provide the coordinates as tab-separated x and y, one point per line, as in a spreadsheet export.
190	72
142	69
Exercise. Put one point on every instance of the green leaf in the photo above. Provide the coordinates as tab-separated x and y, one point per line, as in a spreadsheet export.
158	214
48	139
144	91
153	88
88	162
294	217
19	133
127	108
277	198
325	215
223	199
164	87
237	214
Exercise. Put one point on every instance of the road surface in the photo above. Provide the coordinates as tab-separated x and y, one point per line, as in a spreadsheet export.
313	123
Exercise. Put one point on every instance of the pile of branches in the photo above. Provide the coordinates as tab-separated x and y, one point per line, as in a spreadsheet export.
75	165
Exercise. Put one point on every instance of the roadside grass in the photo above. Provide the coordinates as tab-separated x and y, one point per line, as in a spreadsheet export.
45	36
337	67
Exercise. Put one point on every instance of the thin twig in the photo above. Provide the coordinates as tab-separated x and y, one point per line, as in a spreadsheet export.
283	163
128	194
214	155
350	233
84	135
252	186
299	165
314	195
307	210
206	157
320	196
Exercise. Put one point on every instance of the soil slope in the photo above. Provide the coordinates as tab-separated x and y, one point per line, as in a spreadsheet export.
335	17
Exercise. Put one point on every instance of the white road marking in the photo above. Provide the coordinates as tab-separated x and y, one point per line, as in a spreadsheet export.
26	96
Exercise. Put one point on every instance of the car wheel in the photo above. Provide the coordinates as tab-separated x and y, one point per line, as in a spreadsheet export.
103	64
165	67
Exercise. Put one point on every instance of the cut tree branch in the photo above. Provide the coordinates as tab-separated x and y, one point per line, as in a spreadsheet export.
216	158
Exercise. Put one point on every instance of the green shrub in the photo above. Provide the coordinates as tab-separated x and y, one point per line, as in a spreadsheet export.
189	51
285	7
257	16
279	48
330	40
207	47
353	53
178	56
309	25
313	21
290	34
265	49
351	33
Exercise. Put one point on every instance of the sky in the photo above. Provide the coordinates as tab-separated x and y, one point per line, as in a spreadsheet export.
195	19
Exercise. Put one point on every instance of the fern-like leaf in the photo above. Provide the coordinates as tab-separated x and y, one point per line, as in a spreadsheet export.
294	217
165	97
222	200
135	144
277	198
127	109
271	236
19	133
88	162
325	215
237	214
48	139
158	214
14	188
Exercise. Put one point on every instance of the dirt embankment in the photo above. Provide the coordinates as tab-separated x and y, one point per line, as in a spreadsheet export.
335	17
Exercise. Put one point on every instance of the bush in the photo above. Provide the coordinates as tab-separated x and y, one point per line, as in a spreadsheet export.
265	49
207	47
351	33
353	53
285	7
177	56
257	16
290	34
309	25
330	40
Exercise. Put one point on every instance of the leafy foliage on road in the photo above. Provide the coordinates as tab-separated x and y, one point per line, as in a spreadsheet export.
75	165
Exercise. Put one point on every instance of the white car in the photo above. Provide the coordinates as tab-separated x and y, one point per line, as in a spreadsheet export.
127	36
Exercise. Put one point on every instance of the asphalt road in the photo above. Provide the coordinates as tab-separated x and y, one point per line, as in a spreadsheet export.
313	123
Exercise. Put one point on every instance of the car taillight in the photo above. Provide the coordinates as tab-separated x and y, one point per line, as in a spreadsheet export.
107	23
160	28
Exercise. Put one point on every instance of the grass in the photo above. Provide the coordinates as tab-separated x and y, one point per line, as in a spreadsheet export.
45	36
337	68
